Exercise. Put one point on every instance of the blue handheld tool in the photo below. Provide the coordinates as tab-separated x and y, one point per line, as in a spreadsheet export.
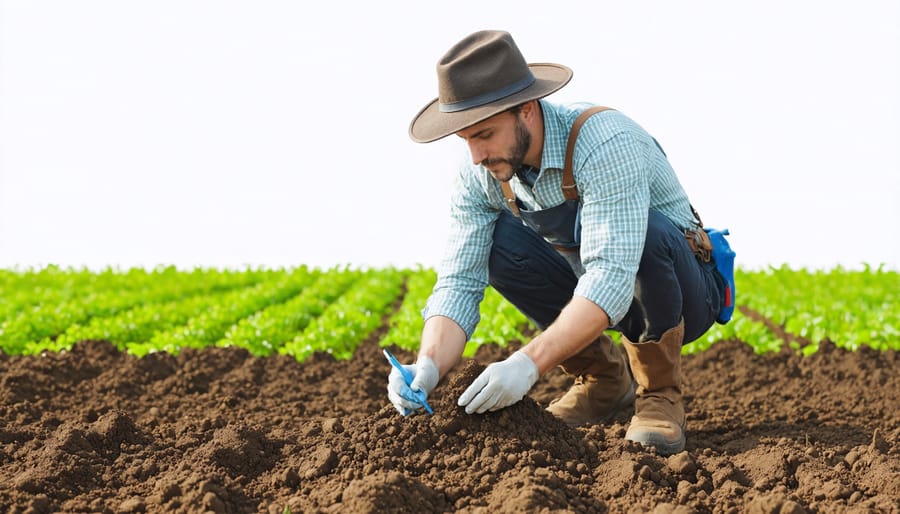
418	396
724	257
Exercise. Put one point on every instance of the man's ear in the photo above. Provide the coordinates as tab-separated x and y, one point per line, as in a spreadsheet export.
528	108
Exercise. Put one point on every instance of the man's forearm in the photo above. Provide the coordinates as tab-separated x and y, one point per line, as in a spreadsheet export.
579	323
443	341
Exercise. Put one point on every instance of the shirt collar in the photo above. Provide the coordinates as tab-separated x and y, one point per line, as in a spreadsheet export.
528	174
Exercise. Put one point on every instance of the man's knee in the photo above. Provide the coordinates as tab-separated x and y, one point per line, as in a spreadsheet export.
528	272
507	250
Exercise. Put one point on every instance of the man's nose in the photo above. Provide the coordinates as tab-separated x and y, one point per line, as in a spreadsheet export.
477	152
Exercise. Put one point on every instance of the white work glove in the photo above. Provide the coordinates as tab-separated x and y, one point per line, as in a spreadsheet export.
500	385
425	378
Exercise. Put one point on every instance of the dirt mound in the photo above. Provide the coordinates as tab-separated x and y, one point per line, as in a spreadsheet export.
219	430
523	446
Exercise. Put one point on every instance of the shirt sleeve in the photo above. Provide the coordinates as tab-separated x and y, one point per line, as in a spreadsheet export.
614	181
463	273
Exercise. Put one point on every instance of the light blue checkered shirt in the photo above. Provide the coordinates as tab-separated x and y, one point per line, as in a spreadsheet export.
620	172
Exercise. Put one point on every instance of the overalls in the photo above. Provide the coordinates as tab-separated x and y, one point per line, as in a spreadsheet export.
535	264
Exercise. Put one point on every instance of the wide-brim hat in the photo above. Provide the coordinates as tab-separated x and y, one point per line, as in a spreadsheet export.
483	75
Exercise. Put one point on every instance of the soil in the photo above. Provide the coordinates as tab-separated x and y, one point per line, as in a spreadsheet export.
219	430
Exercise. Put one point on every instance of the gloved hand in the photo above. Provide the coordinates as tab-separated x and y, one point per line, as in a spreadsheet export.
500	385
425	378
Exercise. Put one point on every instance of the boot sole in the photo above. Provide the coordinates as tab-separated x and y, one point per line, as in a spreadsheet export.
664	447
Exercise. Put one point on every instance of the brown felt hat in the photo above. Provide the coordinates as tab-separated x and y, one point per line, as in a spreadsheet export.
482	75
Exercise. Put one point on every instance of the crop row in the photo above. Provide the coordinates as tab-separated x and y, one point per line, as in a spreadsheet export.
848	307
40	307
301	311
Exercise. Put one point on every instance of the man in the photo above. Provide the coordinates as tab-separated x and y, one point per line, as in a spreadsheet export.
607	252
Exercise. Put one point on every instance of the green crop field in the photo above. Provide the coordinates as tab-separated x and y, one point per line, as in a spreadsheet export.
301	311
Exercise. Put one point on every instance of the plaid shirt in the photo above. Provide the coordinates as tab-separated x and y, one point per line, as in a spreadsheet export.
620	172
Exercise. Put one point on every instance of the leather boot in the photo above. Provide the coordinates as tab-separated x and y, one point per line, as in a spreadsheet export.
602	387
659	419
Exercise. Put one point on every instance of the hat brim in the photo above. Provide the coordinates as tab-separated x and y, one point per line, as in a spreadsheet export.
430	124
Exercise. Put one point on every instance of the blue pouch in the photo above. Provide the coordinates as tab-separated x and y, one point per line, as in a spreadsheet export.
724	257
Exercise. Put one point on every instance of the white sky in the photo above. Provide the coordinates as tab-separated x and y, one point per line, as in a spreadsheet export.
274	133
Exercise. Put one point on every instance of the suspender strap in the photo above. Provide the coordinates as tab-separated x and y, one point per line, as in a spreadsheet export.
570	191
510	197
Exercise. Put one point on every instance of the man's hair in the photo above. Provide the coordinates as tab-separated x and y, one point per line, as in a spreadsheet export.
516	109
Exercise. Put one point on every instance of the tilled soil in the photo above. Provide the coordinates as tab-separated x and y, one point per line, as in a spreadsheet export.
219	430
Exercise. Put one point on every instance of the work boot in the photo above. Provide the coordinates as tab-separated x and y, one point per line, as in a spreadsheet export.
659	419
602	387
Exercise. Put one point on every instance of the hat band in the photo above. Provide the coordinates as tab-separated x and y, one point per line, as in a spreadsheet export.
488	97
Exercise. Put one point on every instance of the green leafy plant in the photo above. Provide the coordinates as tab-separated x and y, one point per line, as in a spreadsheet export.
300	311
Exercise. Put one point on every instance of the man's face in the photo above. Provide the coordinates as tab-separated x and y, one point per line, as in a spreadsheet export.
498	143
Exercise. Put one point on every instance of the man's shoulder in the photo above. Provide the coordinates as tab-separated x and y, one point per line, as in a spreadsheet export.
599	127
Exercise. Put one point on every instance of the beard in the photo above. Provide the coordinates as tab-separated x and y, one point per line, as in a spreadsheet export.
516	153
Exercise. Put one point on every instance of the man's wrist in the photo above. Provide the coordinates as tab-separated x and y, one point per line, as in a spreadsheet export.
535	352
